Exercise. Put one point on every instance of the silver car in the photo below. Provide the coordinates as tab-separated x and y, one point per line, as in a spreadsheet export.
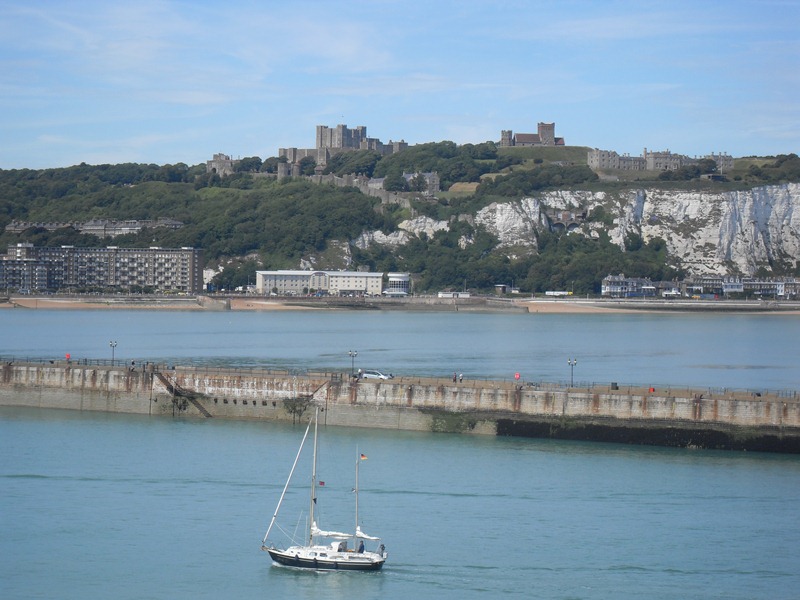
370	374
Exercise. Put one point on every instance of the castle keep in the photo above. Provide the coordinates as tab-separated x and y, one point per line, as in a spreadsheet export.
331	141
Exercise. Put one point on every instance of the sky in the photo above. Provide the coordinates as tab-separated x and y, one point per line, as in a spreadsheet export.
169	81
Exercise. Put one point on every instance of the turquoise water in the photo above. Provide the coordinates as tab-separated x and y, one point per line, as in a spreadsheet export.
100	506
710	350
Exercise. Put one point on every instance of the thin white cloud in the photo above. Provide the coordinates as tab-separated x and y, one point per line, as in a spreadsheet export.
202	73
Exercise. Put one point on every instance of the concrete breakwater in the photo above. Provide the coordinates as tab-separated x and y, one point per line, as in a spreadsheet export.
670	417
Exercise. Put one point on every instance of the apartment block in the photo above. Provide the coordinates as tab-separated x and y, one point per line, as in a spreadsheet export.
27	268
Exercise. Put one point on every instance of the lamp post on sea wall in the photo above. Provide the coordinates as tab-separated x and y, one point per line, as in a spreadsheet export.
113	345
352	354
572	362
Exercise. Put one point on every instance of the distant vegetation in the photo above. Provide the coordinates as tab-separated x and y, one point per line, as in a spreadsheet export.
520	183
247	221
466	163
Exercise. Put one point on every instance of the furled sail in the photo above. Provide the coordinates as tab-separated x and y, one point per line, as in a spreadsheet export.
337	535
361	534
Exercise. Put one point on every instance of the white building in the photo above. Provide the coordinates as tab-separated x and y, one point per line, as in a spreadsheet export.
399	284
333	283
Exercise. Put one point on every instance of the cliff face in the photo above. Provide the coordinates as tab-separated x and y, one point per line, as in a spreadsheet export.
707	233
716	233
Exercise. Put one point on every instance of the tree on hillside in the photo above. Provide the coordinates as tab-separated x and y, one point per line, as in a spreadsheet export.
418	183
250	164
395	182
360	162
270	165
171	173
521	183
484	151
307	165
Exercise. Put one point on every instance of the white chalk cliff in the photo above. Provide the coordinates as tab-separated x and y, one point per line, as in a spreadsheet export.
707	233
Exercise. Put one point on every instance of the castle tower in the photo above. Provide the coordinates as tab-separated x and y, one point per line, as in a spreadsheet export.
323	136
547	134
506	138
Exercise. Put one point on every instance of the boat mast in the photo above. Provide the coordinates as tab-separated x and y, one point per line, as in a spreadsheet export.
313	485
285	487
355	531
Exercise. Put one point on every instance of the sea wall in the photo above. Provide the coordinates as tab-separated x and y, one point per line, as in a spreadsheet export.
698	418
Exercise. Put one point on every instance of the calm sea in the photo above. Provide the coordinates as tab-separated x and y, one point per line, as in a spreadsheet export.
708	350
99	506
119	506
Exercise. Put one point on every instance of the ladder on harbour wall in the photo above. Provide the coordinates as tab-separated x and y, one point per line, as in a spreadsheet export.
178	392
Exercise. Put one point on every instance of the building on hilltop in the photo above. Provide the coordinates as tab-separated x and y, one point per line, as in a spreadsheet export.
98	227
652	161
331	141
341	136
608	159
221	164
431	181
663	160
723	159
546	136
27	269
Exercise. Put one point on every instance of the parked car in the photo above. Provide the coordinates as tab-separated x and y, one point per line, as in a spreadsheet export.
371	374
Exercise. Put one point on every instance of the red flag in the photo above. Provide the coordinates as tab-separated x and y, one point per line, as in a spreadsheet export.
321	483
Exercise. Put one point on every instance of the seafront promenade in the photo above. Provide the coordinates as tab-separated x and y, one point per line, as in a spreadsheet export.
515	303
701	418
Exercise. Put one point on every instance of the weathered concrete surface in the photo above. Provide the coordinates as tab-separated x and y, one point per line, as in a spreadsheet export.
633	415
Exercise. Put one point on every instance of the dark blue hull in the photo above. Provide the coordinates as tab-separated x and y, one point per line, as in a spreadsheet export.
322	564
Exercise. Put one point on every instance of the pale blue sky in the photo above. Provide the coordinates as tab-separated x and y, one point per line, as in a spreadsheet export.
166	81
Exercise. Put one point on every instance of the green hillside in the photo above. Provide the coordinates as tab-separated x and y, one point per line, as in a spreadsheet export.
250	220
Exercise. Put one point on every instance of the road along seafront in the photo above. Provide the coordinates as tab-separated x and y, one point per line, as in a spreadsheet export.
695	418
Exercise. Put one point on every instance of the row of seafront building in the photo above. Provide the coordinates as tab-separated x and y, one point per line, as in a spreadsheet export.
620	286
29	269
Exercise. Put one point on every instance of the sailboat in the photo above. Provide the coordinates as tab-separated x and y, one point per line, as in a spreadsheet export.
322	549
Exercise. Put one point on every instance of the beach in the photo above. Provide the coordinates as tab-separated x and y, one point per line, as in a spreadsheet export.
489	304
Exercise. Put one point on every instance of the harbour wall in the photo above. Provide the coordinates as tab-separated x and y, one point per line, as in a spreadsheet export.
670	417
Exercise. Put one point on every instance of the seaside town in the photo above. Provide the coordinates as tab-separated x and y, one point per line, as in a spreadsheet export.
28	270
